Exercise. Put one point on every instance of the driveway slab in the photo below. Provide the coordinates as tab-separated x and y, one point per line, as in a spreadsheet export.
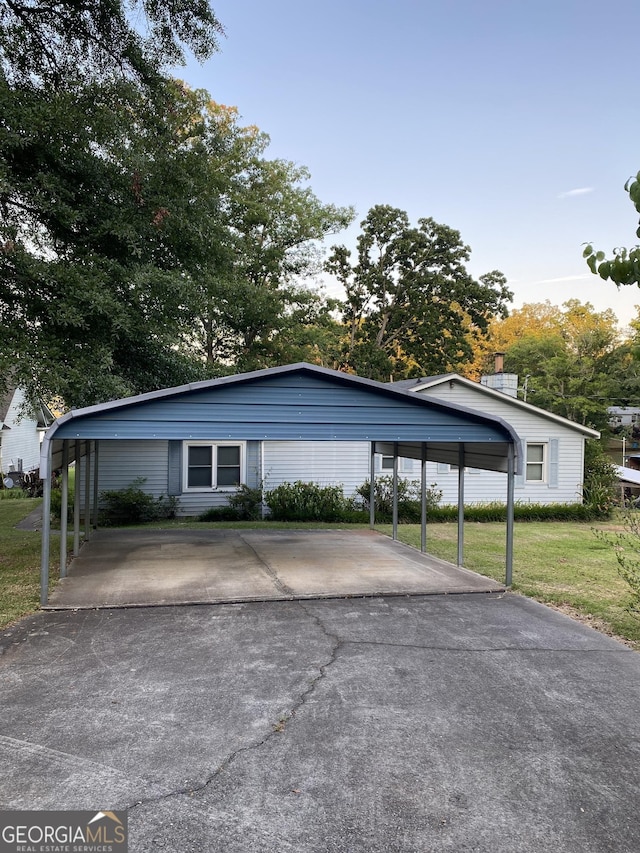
126	568
483	723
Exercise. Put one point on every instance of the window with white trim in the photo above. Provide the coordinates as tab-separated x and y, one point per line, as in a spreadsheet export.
213	465
405	464
536	463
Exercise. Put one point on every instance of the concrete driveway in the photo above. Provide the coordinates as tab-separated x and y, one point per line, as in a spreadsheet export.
483	723
120	568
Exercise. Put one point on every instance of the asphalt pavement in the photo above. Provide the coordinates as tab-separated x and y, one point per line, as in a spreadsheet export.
481	722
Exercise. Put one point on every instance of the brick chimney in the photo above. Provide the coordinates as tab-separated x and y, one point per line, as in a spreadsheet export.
506	383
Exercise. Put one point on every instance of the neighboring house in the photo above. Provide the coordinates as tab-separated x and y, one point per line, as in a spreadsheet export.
623	416
21	431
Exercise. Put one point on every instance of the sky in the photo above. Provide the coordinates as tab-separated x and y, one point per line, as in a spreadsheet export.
513	121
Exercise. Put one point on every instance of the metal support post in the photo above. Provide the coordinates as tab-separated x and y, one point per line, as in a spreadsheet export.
395	489
423	498
64	508
510	515
461	504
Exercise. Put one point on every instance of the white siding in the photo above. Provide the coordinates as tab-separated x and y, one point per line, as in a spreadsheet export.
20	444
347	463
122	462
531	427
321	462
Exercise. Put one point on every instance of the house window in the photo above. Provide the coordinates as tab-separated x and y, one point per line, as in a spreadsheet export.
405	465
536	463
213	466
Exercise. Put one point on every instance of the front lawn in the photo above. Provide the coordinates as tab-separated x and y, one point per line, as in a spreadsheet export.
558	563
19	562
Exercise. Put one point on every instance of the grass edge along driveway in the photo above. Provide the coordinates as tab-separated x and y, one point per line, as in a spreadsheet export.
558	563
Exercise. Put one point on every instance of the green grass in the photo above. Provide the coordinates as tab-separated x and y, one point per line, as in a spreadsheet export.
558	563
19	562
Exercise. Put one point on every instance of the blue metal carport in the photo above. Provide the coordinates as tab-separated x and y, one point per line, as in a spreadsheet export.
299	402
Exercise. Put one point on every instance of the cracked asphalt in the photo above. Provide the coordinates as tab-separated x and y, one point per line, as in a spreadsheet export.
479	722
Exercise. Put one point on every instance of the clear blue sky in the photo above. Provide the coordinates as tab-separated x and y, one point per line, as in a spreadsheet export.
514	121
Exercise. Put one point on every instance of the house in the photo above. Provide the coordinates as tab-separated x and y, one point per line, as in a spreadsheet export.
201	460
21	431
551	447
203	467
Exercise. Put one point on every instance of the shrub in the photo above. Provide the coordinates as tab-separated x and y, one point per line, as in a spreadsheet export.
247	502
133	506
496	511
307	502
600	485
220	513
409	506
244	505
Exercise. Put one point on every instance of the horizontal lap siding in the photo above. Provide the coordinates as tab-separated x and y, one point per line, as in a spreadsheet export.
294	407
122	462
531	427
323	462
20	444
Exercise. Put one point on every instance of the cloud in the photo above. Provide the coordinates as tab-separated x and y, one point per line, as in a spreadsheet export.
564	278
575	192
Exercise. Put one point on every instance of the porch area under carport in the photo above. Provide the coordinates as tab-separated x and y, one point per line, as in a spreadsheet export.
143	568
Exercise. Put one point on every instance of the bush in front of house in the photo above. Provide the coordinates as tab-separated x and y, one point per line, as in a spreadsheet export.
600	487
409	504
132	505
496	511
307	502
244	505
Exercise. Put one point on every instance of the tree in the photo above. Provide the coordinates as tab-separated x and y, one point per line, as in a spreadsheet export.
410	301
256	308
44	46
566	358
95	222
534	319
99	237
624	266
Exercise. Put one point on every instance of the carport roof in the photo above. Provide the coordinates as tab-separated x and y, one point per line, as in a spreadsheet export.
298	402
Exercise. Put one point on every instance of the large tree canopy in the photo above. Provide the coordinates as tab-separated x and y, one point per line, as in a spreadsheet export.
411	305
145	238
96	164
45	44
256	306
